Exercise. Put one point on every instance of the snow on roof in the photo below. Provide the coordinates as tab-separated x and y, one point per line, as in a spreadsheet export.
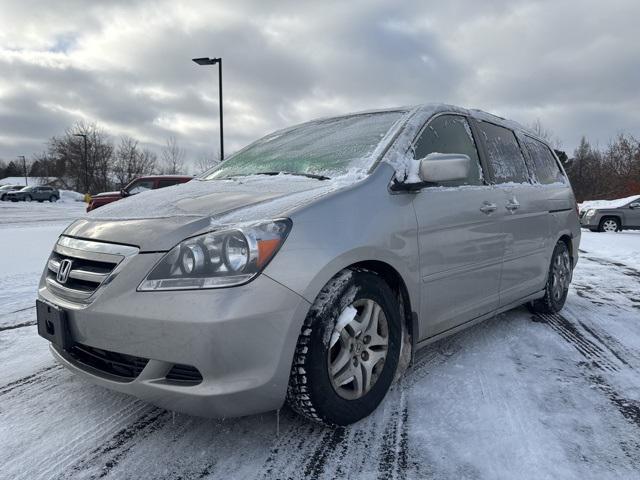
617	203
21	180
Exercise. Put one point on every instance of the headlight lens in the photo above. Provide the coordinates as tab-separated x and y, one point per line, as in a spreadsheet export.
218	259
590	213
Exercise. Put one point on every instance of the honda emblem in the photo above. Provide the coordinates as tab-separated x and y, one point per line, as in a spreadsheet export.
63	271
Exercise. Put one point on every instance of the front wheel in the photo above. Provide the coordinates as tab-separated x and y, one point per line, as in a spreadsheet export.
609	224
558	280
53	198
348	351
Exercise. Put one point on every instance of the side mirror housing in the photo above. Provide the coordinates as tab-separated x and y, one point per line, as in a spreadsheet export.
124	193
444	167
634	205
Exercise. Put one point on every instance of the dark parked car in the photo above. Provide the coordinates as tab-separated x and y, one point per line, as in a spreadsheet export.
39	193
138	185
613	218
4	189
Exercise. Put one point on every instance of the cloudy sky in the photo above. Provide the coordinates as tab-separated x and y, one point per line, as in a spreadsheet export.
573	64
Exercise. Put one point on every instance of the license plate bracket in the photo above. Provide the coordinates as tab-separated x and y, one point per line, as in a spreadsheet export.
53	325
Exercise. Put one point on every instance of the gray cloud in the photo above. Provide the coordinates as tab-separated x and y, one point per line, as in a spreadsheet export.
127	66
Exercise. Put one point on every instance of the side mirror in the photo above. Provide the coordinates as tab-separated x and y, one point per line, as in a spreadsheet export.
634	205
124	193
444	167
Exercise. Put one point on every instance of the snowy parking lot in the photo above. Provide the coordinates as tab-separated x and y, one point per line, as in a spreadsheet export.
518	396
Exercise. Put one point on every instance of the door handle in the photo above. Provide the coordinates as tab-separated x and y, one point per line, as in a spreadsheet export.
488	208
512	205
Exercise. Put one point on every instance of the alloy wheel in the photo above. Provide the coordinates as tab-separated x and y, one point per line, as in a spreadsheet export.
561	275
610	225
358	349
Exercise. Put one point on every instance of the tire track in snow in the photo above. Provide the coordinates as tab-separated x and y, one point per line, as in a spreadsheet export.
17	325
622	268
108	455
393	460
17	311
375	447
629	409
30	380
592	351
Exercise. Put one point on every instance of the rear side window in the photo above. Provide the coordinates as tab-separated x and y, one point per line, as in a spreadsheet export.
503	154
543	165
166	183
450	134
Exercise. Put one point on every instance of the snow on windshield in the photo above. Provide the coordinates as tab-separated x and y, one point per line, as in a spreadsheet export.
329	147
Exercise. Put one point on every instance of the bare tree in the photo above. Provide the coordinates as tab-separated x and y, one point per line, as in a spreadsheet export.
545	134
131	162
84	171
206	161
172	157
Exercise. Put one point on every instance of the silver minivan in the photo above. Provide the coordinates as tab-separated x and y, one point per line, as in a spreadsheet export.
310	265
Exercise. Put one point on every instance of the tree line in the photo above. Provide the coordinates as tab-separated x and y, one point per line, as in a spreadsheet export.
102	163
605	173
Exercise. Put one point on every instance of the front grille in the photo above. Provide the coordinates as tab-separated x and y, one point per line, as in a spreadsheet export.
127	367
91	264
184	374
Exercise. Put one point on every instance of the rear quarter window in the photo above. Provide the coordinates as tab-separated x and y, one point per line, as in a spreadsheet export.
503	154
543	165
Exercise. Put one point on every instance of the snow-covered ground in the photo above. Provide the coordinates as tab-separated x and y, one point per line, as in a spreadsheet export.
519	396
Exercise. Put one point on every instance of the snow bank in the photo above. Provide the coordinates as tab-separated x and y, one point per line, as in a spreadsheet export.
70	196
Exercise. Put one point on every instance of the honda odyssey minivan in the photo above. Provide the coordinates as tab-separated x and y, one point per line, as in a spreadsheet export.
310	265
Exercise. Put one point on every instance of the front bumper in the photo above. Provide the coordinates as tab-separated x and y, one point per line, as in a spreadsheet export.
241	340
589	222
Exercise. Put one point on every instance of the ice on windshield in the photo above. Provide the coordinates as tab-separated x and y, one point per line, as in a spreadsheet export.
329	147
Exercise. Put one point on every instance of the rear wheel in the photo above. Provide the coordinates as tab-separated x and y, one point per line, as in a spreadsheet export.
557	287
53	198
348	351
609	224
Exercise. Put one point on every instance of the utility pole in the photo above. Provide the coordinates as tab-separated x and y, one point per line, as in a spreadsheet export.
213	61
84	158
24	169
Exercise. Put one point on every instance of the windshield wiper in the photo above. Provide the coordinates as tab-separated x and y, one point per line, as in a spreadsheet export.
298	174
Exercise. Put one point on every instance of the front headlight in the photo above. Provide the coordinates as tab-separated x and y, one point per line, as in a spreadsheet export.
590	213
223	258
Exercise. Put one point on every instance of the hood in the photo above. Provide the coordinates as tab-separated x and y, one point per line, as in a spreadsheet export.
157	220
107	194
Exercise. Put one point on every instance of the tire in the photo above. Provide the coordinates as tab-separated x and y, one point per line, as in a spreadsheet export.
53	198
609	224
317	389
558	280
27	198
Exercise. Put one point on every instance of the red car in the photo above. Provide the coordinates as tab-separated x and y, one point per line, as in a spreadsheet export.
138	185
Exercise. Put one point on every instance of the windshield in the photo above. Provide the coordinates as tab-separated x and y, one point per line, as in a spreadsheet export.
324	148
26	189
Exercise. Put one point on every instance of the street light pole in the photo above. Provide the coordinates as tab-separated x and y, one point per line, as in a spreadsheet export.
213	61
84	157
24	169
